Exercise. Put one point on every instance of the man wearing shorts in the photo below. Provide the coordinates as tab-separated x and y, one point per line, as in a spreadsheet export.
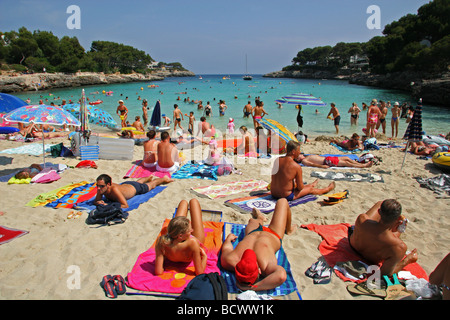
327	162
336	116
126	190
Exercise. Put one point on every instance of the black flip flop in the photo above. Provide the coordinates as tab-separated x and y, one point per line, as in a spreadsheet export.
107	285
119	284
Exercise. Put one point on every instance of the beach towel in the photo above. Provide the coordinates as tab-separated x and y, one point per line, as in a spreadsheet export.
176	275
348	176
54	195
335	248
287	288
133	203
139	171
351	156
76	195
196	171
34	149
9	234
264	202
59	168
223	190
345	150
439	184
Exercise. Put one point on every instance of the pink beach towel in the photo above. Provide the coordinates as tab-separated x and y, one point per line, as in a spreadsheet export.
139	171
335	248
176	276
8	234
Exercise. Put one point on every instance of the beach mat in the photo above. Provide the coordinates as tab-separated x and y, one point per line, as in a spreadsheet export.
196	171
34	149
345	150
288	290
139	171
348	176
351	156
55	195
176	276
264	202
9	234
223	190
76	195
335	248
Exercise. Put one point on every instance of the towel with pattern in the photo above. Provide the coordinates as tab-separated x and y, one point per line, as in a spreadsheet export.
176	275
223	190
196	171
34	149
347	176
139	171
288	287
264	202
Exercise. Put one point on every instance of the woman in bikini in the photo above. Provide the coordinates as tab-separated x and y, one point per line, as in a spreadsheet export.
395	119
373	114
184	239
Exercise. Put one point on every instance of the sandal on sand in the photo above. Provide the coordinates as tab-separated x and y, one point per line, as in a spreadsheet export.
363	289
108	286
119	284
323	276
315	268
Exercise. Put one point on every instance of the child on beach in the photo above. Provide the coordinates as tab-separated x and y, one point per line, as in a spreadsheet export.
230	126
166	120
214	154
191	122
184	239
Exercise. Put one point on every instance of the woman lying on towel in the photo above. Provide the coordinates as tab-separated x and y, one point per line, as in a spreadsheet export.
351	144
29	172
184	239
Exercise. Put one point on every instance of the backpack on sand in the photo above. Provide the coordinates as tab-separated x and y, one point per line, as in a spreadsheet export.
205	286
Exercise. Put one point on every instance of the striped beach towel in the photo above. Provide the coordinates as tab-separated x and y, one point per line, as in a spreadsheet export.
139	171
287	289
89	152
226	189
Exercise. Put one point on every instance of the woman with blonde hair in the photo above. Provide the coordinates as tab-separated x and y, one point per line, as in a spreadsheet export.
184	239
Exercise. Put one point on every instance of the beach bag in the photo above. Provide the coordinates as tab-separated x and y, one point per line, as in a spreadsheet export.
205	286
108	214
225	167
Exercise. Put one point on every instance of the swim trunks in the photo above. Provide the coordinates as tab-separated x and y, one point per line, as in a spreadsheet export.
337	120
149	164
262	228
141	188
246	114
290	197
331	161
172	169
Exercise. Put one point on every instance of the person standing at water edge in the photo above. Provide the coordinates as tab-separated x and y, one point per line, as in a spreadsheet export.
247	110
122	112
177	117
336	116
144	111
354	114
382	118
395	119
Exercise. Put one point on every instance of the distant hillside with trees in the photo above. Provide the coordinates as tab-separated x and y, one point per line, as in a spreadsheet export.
27	51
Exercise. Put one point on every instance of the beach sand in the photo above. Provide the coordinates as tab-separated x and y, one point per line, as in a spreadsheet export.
38	264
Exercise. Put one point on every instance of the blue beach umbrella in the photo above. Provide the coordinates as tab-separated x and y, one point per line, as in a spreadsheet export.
9	103
96	115
302	99
156	115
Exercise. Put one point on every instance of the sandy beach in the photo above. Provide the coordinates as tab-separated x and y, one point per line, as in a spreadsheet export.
38	264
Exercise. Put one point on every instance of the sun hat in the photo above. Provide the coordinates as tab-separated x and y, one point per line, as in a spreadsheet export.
247	270
120	101
231	120
396	104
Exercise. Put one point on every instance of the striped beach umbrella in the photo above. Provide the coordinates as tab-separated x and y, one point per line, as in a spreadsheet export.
302	99
278	128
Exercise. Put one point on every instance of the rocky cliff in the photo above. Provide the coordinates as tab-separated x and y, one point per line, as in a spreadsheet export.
46	81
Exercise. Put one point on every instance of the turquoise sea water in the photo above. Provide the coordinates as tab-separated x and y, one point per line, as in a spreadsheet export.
236	92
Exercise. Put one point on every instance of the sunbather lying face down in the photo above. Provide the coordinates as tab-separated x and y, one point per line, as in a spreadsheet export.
376	237
126	190
184	239
253	260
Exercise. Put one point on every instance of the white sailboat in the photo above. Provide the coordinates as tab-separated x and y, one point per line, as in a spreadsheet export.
246	76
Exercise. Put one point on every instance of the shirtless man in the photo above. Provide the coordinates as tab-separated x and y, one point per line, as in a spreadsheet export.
168	160
150	150
247	145
144	111
351	144
395	118
247	110
376	237
258	112
177	117
126	190
287	180
336	116
138	124
122	112
253	260
184	239
205	128
314	160
382	118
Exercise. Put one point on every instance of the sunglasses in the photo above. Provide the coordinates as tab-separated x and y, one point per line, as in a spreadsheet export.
101	186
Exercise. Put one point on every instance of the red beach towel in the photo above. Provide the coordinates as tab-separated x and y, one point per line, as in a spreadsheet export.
335	248
8	234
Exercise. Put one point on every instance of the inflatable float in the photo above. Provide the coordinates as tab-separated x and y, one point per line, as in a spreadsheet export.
442	161
95	102
133	129
7	130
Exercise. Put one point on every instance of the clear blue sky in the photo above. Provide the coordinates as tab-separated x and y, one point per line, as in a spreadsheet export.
210	36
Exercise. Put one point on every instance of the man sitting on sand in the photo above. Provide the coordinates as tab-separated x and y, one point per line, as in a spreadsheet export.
376	237
314	160
351	144
287	180
126	190
253	260
150	150
168	160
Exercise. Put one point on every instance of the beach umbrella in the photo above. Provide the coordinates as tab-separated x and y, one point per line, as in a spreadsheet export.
414	131
156	115
94	114
9	103
302	99
278	128
42	114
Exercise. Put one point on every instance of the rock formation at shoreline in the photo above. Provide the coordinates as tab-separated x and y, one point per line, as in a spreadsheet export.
433	89
46	81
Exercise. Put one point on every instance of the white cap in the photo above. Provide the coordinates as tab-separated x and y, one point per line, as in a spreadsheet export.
396	104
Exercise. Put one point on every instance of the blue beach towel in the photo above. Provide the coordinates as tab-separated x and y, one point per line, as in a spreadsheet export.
289	286
196	171
345	150
34	149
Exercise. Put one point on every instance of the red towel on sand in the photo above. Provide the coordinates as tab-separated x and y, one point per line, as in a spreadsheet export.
336	248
